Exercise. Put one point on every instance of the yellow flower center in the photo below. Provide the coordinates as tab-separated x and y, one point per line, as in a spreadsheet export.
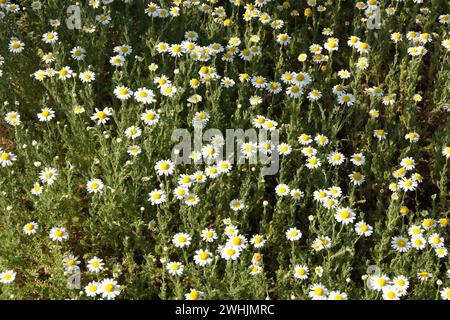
101	115
237	241
319	291
194	295
203	256
165	166
109	287
156	196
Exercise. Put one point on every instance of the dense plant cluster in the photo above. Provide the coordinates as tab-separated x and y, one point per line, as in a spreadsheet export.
94	206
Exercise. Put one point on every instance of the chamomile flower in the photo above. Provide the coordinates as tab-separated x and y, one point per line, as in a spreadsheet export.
16	46
231	230
363	229
212	172
7	276
346	99
445	293
415	230
123	92
237	240
297	194
94	186
282	189
293	234
320	139
194	294
208	235
181	240
379	282
87	76
257	241
78	53
336	158
344	74
304	139
301	272
424	275
236	205
318	292
165	167
109	288
229	252
407	184
400	244
358	159
133	132
65	73
117	61
408	163
58	234
345	215
102	116
95	265
157	196
357	178
144	96
446	152
284	149
30	228
6	158
71	263
441	252
435	240
203	257
48	175
46	114
313	162
337	295
168	90
418	242
270	125
390	293
150	117
134	150
314	95
92	289
401	283
255	100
